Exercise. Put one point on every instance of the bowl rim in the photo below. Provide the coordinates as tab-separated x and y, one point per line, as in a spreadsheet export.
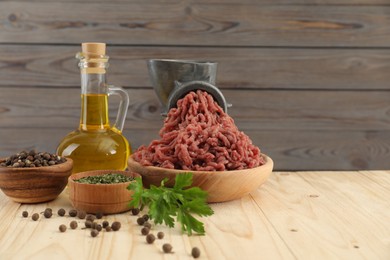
268	163
101	172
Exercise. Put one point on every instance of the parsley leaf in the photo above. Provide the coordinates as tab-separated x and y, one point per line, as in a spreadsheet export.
137	187
167	203
182	181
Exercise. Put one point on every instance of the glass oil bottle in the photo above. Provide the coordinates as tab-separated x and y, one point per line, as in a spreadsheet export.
97	145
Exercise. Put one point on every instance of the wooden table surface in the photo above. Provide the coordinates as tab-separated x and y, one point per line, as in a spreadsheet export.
294	215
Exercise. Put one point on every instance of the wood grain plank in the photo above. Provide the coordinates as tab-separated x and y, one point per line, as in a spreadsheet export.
379	177
195	24
252	110
335	213
250	68
25	239
290	150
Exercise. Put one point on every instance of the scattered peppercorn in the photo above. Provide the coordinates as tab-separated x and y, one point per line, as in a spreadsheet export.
167	248
88	224
61	212
48	213
116	225
195	252
25	214
150	238
160	235
90	217
62	228
105	224
99	215
108	229
145	217
94	225
140	221
94	232
148	225
73	224
32	159
145	231
35	216
81	214
99	227
135	211
73	213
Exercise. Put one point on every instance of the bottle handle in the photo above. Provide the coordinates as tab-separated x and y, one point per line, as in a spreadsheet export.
123	106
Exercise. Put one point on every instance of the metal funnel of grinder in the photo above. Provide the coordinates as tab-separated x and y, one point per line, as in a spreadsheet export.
173	79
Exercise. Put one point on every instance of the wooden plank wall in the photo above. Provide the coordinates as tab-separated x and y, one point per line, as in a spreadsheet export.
309	80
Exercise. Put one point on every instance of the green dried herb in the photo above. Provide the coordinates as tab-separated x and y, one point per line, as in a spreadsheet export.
109	178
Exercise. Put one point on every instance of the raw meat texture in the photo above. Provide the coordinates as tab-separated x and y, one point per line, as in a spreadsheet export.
199	135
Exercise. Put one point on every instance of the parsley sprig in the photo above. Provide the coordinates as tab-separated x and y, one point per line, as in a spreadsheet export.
165	203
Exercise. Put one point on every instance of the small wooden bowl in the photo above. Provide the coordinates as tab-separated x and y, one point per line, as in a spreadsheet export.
35	185
104	198
221	186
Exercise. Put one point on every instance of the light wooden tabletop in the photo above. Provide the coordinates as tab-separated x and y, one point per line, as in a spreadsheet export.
294	215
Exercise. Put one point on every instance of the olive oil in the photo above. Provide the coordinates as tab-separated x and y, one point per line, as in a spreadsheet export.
96	145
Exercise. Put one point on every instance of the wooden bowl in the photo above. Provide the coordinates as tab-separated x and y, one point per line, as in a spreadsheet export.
104	198
221	186
35	185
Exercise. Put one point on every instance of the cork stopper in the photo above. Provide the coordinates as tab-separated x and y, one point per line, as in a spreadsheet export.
93	49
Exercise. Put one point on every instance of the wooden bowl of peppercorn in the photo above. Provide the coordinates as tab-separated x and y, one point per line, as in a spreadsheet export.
35	184
220	186
99	195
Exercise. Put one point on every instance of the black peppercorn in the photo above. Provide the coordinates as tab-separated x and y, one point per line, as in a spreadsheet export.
73	213
99	215
81	214
88	224
145	231
16	165
105	224
195	252
25	214
62	228
94	225
94	232
145	217
73	224
90	217
167	248
150	238
24	159
46	156
61	212
48	213
148	225
35	216
116	226
108	228
135	211
160	235
140	221
99	227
